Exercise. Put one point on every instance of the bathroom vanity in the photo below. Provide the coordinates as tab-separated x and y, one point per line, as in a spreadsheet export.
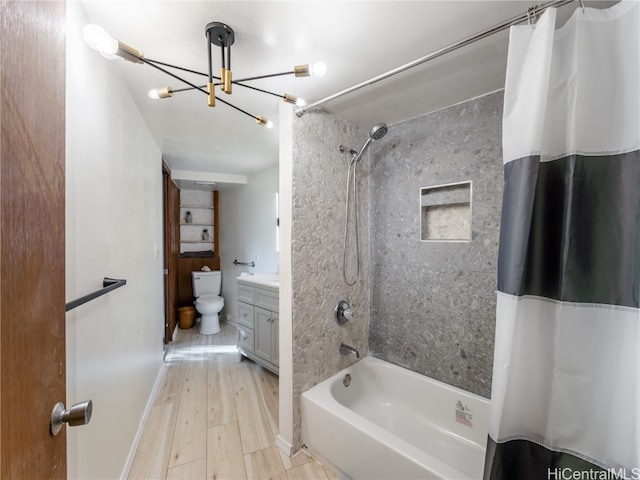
258	298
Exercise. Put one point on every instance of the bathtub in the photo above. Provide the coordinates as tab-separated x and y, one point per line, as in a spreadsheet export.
392	423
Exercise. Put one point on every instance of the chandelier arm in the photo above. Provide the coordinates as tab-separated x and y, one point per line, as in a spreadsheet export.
237	108
224	101
186	89
271	75
150	63
259	89
181	68
258	77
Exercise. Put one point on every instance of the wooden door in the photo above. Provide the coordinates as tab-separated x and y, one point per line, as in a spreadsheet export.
32	250
169	308
171	251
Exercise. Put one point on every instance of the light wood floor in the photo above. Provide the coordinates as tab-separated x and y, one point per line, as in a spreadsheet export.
216	417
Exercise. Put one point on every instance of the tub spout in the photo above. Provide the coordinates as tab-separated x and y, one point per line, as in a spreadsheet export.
349	351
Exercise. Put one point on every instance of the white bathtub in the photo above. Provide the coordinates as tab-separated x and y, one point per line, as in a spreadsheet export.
392	423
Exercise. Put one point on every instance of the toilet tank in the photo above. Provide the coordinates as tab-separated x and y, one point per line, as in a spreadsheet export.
205	283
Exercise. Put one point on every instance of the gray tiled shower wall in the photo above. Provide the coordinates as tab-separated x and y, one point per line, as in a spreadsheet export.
432	305
428	306
319	181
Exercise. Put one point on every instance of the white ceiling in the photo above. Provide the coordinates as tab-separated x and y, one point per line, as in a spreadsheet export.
356	39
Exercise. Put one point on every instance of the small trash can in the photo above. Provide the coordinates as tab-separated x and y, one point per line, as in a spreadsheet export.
186	317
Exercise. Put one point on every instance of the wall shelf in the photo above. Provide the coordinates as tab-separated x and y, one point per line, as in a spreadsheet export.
200	205
445	212
209	254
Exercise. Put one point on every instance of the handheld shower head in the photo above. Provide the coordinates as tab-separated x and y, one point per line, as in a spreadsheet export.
378	131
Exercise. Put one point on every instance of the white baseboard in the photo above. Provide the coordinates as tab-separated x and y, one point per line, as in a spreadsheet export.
284	446
143	421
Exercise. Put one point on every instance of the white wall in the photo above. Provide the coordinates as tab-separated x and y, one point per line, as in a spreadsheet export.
113	228
247	216
285	323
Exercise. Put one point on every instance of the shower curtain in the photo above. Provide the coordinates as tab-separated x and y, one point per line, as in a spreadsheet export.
565	399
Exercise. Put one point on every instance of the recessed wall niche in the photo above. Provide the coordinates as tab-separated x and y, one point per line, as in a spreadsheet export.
445	212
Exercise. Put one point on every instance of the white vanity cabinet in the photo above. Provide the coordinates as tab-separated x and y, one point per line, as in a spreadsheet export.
258	322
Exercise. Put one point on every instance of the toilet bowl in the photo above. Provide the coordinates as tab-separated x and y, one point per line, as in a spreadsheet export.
206	289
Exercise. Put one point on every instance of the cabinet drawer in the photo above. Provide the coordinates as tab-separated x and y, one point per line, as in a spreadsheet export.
245	339
246	293
245	314
266	299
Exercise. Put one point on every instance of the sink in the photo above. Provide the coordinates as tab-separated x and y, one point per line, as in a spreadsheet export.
268	279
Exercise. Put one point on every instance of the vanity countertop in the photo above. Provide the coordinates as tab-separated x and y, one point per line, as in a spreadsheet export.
262	279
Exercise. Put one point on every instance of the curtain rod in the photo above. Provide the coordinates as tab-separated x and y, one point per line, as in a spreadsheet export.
531	12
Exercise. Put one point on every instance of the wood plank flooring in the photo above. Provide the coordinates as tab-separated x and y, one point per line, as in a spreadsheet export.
216	417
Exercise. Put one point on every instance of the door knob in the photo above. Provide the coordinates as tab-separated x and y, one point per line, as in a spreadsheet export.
79	414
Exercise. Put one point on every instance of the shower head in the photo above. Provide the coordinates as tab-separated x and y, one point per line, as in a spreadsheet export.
378	131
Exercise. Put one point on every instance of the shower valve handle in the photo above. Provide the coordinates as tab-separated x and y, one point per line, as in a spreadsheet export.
343	312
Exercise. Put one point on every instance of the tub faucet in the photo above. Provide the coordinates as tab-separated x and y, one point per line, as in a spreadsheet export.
349	351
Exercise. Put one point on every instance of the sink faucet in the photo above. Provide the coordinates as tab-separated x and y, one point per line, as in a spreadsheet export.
349	351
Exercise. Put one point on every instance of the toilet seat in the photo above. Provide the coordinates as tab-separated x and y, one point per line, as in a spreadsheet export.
211	300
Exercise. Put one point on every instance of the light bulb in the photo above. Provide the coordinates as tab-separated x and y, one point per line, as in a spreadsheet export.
99	40
260	120
292	99
165	92
318	69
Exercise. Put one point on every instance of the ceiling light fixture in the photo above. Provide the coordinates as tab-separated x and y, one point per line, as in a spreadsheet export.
218	34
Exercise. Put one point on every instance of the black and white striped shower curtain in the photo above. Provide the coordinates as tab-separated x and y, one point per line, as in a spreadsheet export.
565	397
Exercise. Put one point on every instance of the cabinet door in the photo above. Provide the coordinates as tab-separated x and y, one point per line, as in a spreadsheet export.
263	340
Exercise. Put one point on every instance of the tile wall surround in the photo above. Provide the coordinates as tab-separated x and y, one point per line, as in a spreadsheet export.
433	303
319	184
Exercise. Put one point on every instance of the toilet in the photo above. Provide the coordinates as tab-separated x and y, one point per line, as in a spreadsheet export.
206	289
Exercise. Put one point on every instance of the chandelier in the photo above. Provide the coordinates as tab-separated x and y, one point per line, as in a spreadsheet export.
219	35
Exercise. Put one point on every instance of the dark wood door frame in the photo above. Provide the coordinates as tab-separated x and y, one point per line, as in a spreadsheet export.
171	251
